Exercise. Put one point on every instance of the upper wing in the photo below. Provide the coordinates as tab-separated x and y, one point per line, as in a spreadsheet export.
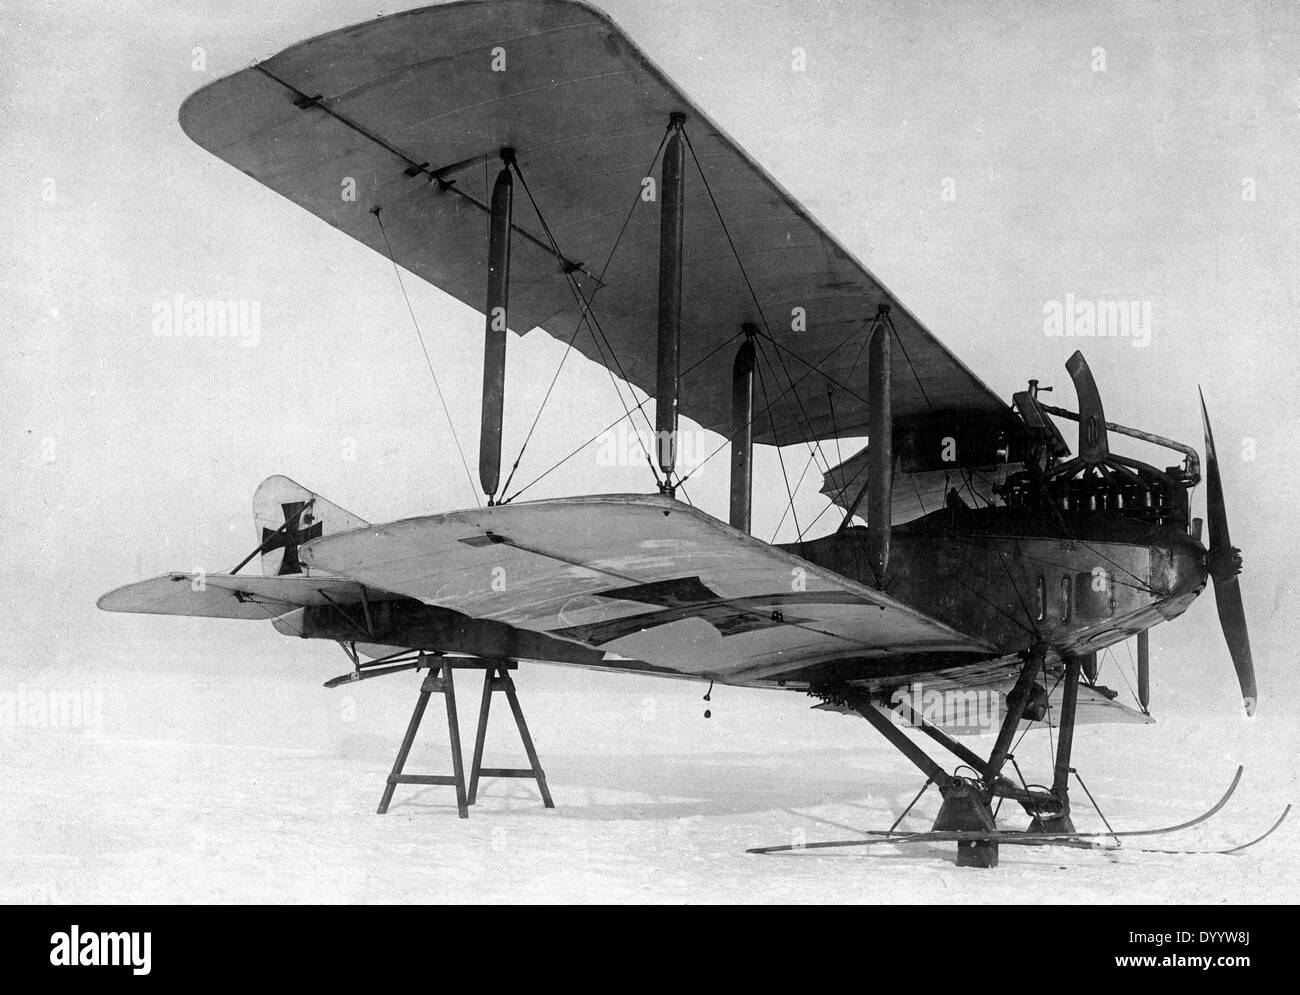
392	104
231	596
646	578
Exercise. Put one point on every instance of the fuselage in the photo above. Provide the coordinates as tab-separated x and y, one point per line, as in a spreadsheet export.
1013	580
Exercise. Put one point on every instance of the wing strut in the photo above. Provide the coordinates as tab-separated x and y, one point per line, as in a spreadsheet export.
880	454
672	206
742	439
494	327
1144	670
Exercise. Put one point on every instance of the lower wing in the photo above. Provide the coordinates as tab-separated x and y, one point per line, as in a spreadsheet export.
642	578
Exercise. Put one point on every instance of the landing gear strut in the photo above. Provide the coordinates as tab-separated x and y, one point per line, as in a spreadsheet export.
967	801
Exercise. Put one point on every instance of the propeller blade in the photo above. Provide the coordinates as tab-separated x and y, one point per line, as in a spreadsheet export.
1224	564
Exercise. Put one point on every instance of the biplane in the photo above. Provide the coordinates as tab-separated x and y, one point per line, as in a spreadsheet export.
526	158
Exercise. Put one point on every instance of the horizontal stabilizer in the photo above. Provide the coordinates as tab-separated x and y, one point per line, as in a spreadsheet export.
229	596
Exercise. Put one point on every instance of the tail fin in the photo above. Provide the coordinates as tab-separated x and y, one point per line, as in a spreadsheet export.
287	515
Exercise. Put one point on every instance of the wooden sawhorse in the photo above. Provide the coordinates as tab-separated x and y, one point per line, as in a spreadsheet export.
496	677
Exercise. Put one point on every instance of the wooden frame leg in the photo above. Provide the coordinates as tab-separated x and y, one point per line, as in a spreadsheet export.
498	679
457	761
489	685
444	685
528	740
421	703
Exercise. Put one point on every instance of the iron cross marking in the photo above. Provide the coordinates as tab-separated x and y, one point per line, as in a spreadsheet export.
291	538
689	597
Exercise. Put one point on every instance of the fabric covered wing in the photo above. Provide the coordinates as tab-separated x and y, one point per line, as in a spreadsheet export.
401	106
646	578
231	596
915	494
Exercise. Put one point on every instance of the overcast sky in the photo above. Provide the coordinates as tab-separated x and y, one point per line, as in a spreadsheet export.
1136	151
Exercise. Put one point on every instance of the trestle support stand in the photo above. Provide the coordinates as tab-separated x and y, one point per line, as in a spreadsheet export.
440	680
497	678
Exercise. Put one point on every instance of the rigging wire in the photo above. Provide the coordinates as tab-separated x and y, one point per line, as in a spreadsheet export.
600	283
762	383
1078	777
1015	746
555	466
1141	585
839	455
429	362
815	520
1120	670
910	365
559	463
765	410
980	542
916	489
1033	622
786	510
815	369
814	443
997	608
835	432
592	322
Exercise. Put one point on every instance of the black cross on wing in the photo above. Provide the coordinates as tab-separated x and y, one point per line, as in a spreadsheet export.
689	597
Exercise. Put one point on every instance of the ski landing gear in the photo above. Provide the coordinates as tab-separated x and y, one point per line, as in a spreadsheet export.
967	802
496	677
965	818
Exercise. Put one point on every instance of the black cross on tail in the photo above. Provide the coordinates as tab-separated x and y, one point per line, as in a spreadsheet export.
292	535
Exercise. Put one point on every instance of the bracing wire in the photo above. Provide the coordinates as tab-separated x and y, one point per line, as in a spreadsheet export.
600	282
555	466
593	324
717	210
429	362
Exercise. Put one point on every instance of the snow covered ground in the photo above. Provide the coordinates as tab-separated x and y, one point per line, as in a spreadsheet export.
173	785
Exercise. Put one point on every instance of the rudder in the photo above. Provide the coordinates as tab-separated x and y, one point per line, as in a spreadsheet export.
287	515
